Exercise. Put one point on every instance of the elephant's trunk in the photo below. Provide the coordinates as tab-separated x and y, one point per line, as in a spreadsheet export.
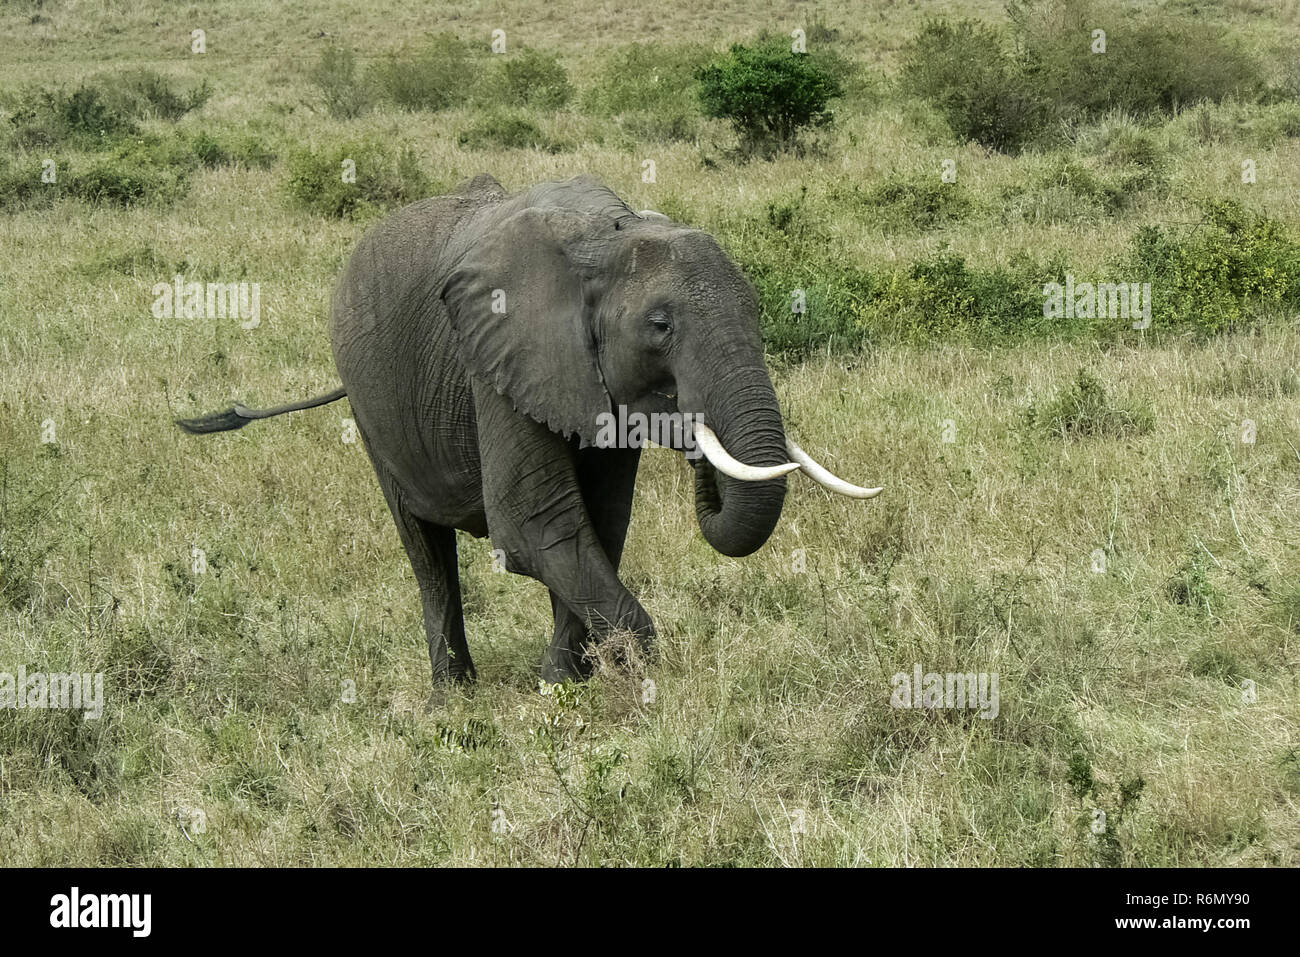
737	516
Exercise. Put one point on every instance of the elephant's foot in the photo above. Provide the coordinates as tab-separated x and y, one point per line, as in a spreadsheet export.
564	663
448	682
625	650
443	693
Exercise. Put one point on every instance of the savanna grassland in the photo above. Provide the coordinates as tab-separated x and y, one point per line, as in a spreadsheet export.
1106	517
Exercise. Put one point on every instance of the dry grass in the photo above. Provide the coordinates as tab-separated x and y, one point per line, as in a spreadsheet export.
770	738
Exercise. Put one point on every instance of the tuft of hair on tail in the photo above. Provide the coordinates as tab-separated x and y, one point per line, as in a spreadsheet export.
215	422
239	416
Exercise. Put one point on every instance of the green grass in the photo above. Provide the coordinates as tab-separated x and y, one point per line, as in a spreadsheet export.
1104	516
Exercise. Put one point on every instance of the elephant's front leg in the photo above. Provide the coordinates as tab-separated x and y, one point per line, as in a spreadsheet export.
607	478
536	514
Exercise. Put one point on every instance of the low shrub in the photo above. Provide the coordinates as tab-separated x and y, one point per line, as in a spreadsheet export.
808	298
532	78
965	71
100	110
1006	89
507	130
144	169
811	308
665	126
354	179
646	78
145	94
441	74
909	202
651	90
245	151
344	93
1150	64
1084	409
21	186
55	118
1221	274
940	298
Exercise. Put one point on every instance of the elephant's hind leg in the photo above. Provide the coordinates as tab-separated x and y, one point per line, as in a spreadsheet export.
432	551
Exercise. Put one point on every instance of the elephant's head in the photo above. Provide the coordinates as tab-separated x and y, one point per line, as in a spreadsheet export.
572	305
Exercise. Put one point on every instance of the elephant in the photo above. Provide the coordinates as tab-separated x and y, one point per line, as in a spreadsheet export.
481	336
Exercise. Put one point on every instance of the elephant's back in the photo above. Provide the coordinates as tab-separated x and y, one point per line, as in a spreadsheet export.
394	349
404	258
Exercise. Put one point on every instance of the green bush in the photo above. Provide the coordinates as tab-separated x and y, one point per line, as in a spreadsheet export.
1069	188
145	94
533	78
1259	125
55	117
335	75
135	170
507	130
143	169
1119	146
1084	409
808	297
910	202
247	151
112	182
442	74
964	70
1233	268
941	298
1224	273
1005	91
316	181
100	110
813	300
1150	64
831	296
33	126
651	89
21	186
1075	177
665	126
769	94
646	78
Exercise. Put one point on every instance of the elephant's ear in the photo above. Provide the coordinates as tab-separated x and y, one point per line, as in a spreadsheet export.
519	304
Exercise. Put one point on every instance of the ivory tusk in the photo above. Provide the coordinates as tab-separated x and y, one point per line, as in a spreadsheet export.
823	477
721	460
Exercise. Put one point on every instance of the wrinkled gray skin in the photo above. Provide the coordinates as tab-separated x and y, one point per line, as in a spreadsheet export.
485	422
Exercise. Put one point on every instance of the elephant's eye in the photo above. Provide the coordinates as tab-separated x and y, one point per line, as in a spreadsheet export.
661	325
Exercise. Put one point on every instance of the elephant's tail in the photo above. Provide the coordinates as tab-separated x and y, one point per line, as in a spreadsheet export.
239	416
